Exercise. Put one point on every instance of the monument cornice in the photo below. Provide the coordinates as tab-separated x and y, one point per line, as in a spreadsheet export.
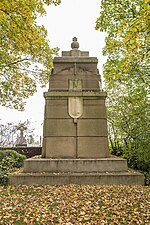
75	59
75	93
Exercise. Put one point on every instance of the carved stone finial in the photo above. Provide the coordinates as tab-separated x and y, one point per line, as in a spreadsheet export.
74	44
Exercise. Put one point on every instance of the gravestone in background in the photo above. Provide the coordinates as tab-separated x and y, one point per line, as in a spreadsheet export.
75	139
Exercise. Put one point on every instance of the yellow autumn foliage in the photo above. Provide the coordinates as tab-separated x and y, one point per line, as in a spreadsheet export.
25	54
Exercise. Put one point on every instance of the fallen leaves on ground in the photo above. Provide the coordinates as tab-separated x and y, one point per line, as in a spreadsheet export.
74	204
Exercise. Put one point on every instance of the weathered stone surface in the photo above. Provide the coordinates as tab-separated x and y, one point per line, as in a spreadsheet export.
94	108
124	178
57	109
92	127
75	165
86	94
76	59
59	128
60	147
79	53
94	147
89	81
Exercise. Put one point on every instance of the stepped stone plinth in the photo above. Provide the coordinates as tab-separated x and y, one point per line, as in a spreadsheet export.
75	137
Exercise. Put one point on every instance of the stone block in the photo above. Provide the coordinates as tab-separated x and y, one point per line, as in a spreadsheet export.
90	85
75	52
63	69
87	68
41	165
118	178
56	102
56	109
92	147
74	59
94	109
60	147
56	85
92	127
59	127
68	53
62	84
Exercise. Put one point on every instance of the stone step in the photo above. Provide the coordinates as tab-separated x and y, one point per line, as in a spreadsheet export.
75	165
117	178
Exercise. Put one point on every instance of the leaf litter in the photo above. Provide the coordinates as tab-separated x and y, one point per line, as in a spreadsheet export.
74	204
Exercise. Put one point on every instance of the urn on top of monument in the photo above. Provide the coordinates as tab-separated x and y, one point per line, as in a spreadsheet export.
74	44
75	50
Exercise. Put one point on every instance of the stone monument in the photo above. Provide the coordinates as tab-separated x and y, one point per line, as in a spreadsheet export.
75	138
75	124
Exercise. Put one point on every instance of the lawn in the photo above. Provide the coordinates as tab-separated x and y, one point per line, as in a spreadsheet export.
74	204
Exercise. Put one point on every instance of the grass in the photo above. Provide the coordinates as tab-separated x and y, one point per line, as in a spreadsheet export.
74	204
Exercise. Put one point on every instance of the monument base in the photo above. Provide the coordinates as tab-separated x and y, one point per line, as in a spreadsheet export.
113	170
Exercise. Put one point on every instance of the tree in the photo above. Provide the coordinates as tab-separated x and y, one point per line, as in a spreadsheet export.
25	55
126	74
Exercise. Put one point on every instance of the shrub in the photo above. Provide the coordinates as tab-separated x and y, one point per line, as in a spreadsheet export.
9	161
4	178
143	166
